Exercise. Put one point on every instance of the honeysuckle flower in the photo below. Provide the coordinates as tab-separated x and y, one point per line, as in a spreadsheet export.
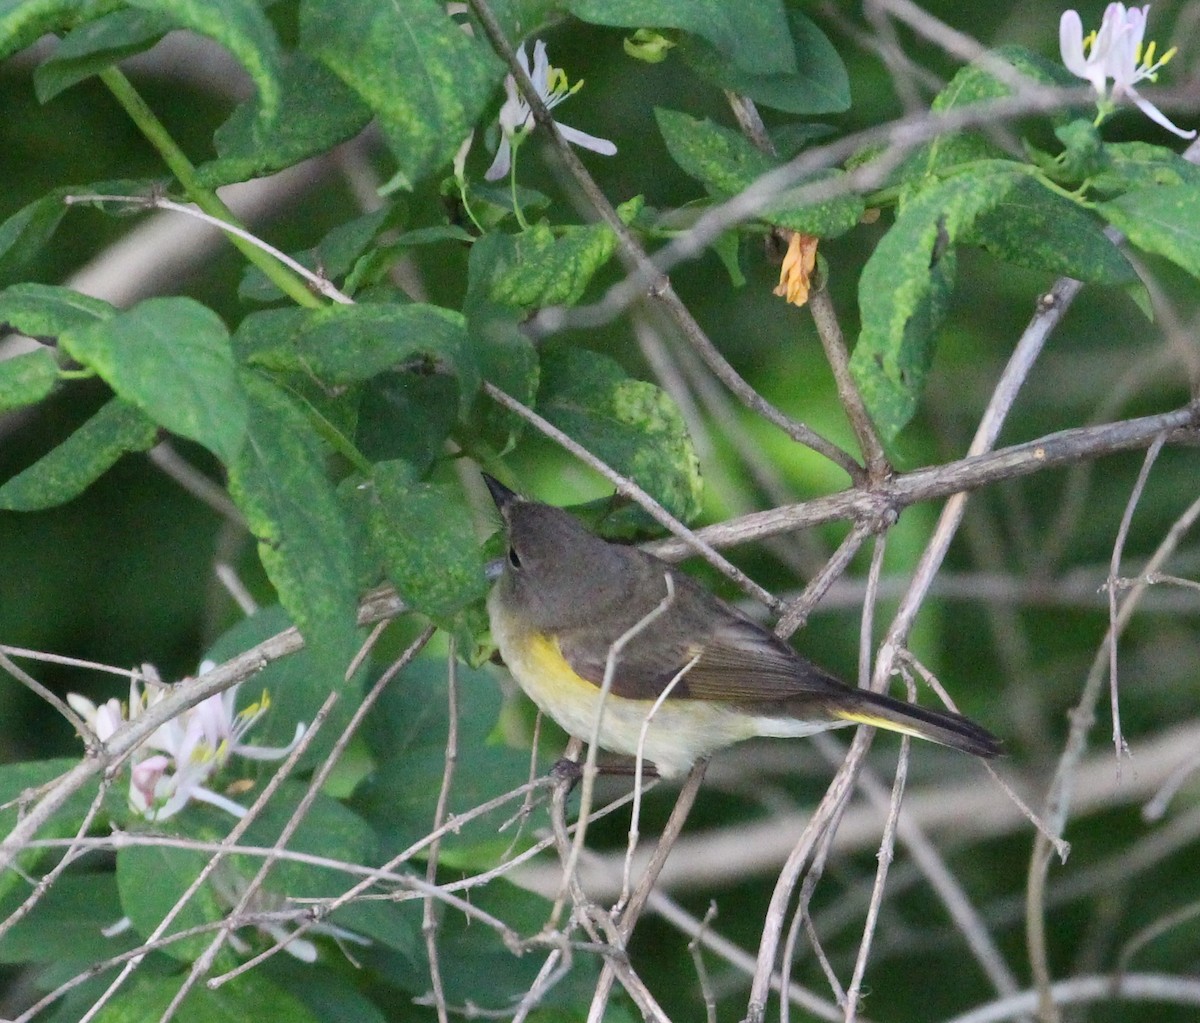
1115	52
795	276
175	763
276	919
516	117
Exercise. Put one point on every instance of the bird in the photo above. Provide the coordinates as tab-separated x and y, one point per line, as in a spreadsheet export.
565	596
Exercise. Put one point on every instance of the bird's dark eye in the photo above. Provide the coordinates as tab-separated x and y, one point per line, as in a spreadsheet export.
513	558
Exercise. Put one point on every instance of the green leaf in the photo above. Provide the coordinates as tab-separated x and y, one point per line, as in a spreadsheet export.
328	830
376	261
249	996
819	85
26	379
1039	229
279	483
719	158
317	112
426	79
24	234
427	539
725	162
20	784
151	880
728	249
1137	165
296	687
242	28
406	417
81	459
334	832
505	355
47	310
1163	220
752	34
407	732
632	425
69	923
333	256
904	286
973	84
96	45
343	344
172	358
544	268
25	21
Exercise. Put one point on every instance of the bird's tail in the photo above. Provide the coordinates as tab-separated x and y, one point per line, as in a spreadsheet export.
941	726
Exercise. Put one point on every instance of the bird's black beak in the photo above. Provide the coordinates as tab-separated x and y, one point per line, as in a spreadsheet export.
500	493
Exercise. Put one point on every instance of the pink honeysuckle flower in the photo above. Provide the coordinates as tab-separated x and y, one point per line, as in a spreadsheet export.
175	763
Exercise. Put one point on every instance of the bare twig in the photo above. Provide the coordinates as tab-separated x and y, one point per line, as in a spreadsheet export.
90	739
320	776
628	488
589	767
971	473
318	283
1135	497
1133	987
706	991
429	916
1059	797
820	304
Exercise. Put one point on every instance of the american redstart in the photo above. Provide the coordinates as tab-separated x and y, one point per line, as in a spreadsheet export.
565	596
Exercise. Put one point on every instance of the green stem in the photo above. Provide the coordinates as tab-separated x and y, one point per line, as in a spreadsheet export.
333	436
179	165
512	182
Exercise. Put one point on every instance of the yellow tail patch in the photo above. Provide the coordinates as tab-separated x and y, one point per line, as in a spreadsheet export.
859	717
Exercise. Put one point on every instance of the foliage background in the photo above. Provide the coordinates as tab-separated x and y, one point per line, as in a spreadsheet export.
123	574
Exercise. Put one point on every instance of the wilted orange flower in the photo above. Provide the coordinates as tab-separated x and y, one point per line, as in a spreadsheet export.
796	273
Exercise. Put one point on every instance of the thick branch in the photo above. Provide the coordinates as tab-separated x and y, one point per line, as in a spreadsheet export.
938	481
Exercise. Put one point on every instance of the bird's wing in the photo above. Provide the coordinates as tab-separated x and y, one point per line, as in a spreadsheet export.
739	662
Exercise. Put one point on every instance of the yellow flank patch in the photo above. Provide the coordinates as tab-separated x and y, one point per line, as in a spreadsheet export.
541	655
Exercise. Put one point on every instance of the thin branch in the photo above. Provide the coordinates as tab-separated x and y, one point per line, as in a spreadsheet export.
886	852
639	759
1133	987
896	139
174	466
796	611
827	810
966	474
820	304
706	990
570	880
1135	497
320	776
90	739
1059	796
429	916
627	488
319	284
665	907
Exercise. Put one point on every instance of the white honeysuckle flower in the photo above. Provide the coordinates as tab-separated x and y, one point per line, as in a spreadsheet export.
1115	52
174	764
102	720
516	117
264	903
